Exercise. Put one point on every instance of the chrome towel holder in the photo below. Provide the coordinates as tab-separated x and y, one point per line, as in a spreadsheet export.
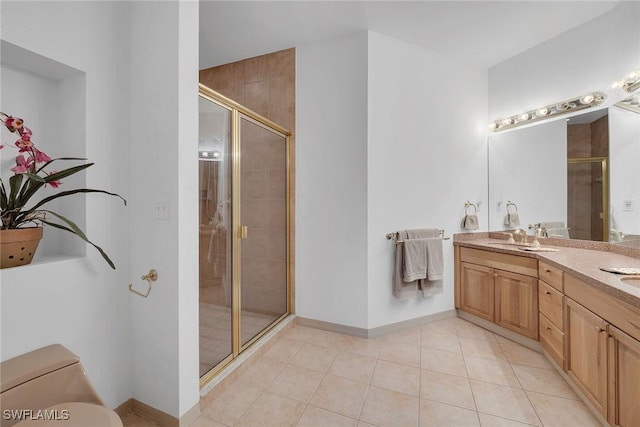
394	236
151	276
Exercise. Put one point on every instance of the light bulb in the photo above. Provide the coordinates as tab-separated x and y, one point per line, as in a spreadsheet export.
216	154
525	116
633	75
587	99
542	112
507	121
493	126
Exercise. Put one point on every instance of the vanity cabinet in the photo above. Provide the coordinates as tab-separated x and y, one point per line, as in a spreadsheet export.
586	339
550	302
603	351
499	288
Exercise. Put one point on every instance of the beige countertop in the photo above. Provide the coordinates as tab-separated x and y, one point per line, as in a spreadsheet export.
582	263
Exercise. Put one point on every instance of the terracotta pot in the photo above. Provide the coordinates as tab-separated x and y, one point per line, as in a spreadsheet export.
18	246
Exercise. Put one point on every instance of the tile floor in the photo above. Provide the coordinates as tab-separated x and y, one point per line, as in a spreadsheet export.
215	332
446	373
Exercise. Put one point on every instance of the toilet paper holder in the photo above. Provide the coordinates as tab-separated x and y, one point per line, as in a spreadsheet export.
151	276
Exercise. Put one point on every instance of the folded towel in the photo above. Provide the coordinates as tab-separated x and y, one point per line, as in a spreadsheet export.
512	220
470	222
414	259
413	273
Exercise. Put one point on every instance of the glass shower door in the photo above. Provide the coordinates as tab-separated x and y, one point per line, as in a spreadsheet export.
263	219
214	149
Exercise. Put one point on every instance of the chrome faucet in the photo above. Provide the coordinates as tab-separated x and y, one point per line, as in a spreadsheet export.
520	235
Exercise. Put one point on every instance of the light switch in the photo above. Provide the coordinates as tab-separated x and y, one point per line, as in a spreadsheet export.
162	209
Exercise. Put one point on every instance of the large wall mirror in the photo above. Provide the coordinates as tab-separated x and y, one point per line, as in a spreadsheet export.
578	178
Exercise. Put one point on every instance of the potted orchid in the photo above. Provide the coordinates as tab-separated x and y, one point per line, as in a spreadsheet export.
19	213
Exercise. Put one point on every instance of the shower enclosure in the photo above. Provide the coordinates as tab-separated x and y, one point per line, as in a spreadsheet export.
244	229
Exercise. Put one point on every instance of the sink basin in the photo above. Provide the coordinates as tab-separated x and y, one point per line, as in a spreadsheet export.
631	280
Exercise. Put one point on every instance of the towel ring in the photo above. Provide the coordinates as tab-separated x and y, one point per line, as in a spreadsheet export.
509	204
468	205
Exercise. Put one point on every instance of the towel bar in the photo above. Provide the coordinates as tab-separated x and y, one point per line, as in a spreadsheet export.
393	236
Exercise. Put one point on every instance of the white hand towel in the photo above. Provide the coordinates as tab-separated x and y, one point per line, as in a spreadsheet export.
414	259
512	220
470	222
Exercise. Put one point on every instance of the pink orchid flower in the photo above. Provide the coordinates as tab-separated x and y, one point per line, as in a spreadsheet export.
1	146
41	157
13	123
22	164
24	143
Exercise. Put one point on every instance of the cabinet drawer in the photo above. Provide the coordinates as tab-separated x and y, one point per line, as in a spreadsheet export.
552	339
551	275
550	303
506	262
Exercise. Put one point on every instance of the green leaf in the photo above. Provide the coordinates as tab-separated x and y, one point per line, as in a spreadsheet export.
3	196
14	185
73	228
35	186
70	192
59	158
34	177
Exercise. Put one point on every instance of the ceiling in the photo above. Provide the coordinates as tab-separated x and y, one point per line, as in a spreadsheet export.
481	33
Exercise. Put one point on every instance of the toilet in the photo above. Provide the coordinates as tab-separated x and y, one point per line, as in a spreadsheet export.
49	387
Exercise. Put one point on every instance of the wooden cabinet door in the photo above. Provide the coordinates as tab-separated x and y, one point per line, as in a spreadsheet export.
477	290
624	379
516	303
586	342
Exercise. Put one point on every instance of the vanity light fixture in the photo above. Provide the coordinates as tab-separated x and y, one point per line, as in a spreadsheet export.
564	107
630	82
632	103
210	156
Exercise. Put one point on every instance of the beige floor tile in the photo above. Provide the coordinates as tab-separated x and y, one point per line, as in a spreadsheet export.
436	414
353	366
545	381
487	420
296	383
232	403
340	395
407	336
362	346
389	408
521	355
396	377
503	401
481	348
363	424
446	388
263	371
272	410
314	357
558	411
443	361
406	354
469	330
204	421
328	339
300	333
316	417
503	340
493	371
440	341
446	326
284	349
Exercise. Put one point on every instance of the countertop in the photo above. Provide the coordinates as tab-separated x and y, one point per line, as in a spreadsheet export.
581	263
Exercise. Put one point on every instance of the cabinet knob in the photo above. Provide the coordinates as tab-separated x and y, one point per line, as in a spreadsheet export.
547	293
548	328
546	270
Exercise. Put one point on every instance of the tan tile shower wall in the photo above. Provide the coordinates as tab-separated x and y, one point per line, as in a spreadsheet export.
266	85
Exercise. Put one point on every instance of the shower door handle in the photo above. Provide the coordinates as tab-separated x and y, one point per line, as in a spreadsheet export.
243	233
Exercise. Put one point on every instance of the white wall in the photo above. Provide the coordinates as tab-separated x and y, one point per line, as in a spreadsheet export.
331	181
163	102
587	58
624	174
80	302
426	156
389	136
528	167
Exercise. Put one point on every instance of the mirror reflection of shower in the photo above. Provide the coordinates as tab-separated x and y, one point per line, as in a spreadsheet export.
214	147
